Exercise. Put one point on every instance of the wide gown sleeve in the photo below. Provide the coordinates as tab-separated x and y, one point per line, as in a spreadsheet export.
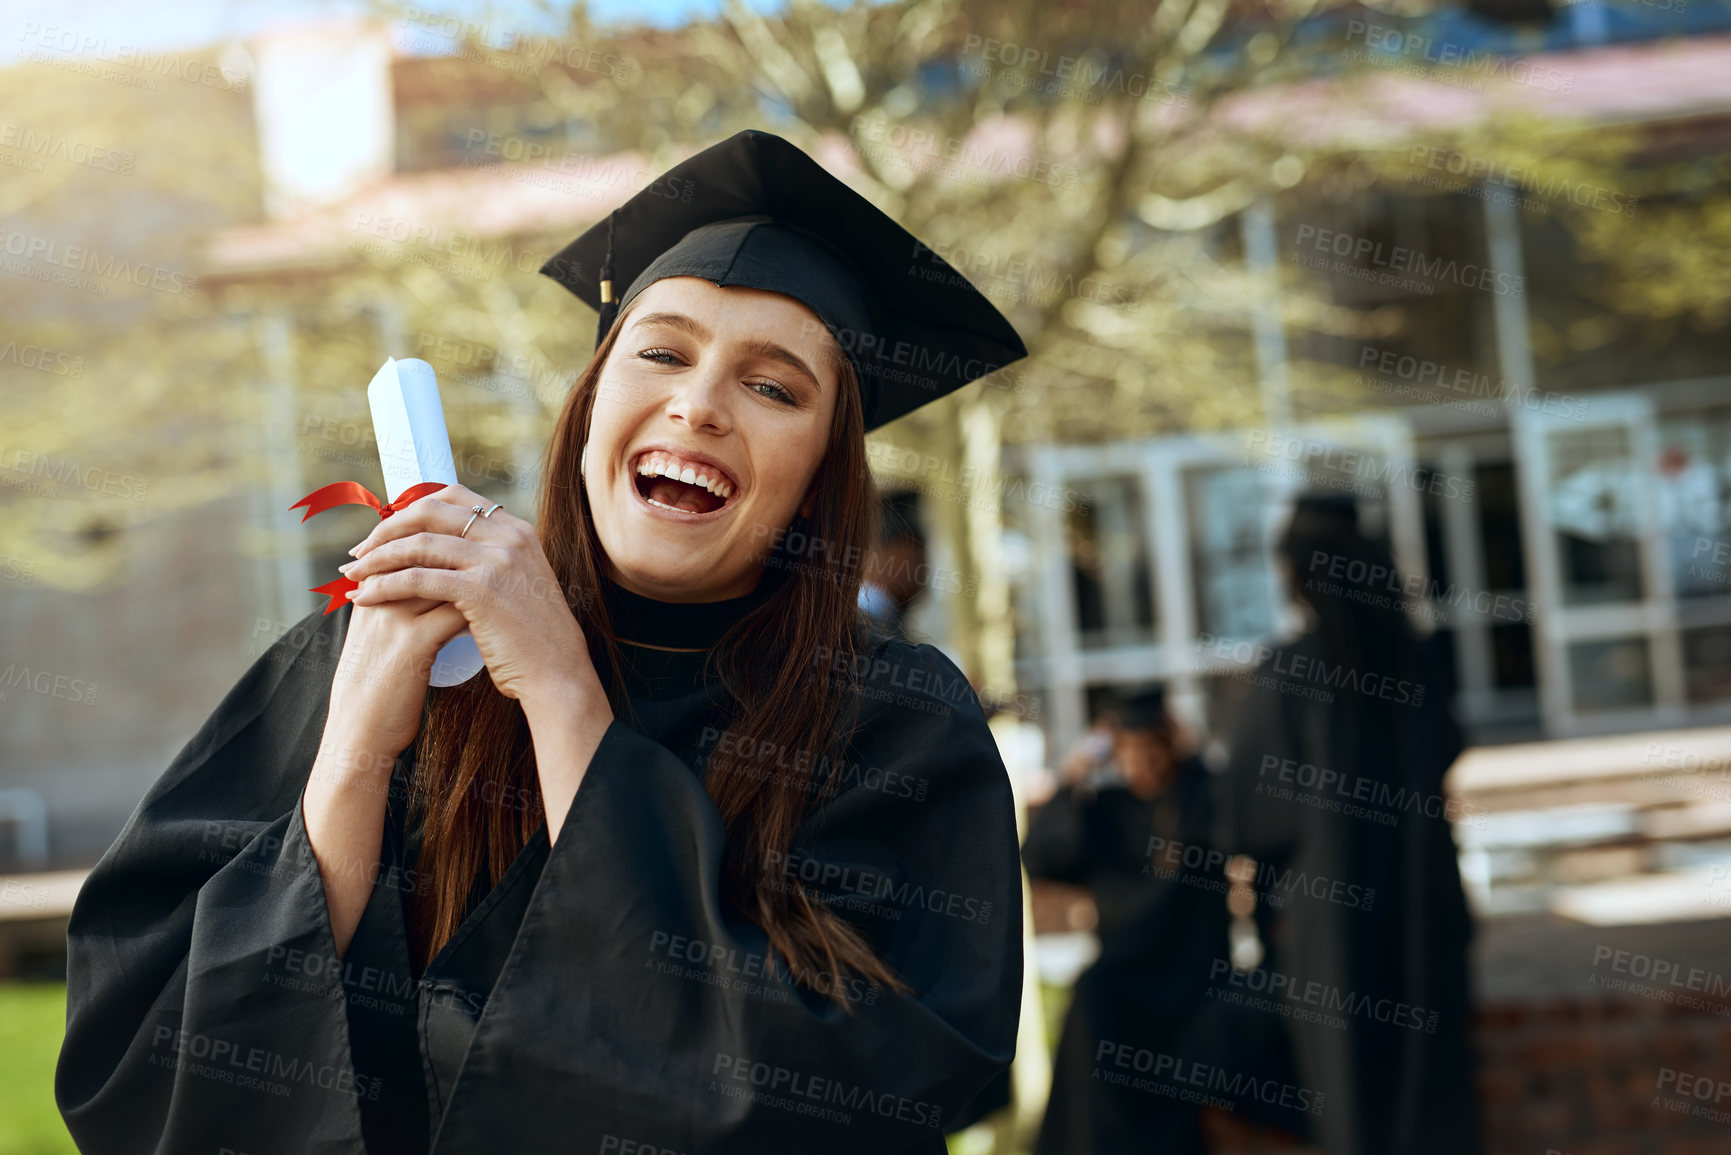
1251	816
1057	847
204	1008
637	1013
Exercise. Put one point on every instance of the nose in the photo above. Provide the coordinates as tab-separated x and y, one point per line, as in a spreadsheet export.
701	399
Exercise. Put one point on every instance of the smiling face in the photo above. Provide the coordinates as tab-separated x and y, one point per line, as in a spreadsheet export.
711	417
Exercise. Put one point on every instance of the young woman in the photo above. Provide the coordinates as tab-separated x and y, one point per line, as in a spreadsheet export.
698	865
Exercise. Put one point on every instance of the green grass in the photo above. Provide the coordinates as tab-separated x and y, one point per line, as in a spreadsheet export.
32	1020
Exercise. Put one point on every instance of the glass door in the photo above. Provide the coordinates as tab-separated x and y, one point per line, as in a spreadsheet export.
1600	561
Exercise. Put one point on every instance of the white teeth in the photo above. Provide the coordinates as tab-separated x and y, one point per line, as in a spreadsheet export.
655	466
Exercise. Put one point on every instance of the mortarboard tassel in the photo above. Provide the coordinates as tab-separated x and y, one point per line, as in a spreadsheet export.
609	304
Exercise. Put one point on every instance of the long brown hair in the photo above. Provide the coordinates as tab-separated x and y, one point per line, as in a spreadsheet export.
476	795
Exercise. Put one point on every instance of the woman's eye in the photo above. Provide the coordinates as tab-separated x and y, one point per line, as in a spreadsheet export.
771	389
660	356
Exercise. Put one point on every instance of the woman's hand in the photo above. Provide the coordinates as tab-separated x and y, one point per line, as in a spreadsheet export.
380	688
496	576
377	698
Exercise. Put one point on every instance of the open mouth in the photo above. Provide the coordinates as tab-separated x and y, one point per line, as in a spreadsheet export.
668	481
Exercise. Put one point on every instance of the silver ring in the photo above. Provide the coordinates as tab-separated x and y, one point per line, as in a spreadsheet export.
474	512
489	513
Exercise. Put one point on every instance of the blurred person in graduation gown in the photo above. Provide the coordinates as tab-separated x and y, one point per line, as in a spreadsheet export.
896	571
1132	828
1340	804
697	866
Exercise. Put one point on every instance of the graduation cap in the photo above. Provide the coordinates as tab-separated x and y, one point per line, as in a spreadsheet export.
1145	710
758	212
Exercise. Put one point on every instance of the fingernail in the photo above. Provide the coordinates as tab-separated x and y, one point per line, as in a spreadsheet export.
356	552
343	569
351	593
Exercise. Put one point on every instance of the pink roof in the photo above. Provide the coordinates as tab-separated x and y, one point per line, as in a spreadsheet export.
440	209
1396	95
1380	103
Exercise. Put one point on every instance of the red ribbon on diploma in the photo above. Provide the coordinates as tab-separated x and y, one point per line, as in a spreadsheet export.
354	493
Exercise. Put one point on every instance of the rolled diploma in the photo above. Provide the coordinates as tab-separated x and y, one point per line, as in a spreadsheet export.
409	423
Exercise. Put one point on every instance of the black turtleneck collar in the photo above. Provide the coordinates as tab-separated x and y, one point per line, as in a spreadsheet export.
677	625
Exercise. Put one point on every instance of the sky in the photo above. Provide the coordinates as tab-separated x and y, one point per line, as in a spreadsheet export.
191	23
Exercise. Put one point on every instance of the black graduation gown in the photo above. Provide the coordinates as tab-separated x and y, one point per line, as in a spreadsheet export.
600	998
1367	956
1162	918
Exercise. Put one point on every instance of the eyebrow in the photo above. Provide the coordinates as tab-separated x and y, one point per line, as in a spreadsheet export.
757	347
676	321
774	352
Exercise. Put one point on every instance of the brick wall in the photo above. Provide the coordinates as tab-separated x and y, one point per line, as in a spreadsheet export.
1605	1076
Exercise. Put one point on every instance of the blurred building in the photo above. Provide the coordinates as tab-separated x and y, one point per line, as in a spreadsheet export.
1557	491
1559	503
